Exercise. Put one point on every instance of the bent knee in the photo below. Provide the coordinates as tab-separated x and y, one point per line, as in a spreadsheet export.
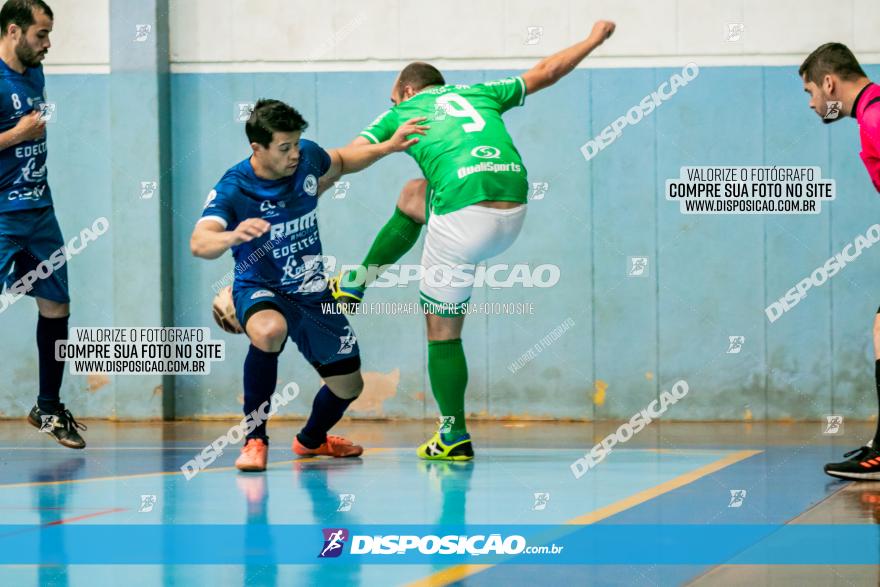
346	386
267	331
412	199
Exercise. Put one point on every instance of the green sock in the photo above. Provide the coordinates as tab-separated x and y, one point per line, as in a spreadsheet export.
447	369
397	237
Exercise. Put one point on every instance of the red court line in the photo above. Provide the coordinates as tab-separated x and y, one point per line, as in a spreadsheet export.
63	521
84	516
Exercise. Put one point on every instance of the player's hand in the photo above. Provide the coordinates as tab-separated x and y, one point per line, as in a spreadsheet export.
399	142
30	127
601	31
249	229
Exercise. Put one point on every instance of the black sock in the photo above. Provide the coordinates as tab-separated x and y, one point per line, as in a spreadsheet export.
327	410
876	443
51	371
260	374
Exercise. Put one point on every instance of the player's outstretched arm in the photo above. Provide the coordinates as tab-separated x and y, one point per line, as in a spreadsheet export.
360	154
551	69
209	239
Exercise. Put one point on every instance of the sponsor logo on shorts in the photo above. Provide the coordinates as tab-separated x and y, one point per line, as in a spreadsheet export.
347	342
263	293
310	185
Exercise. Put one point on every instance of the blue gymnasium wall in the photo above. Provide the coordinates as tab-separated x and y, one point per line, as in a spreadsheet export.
709	276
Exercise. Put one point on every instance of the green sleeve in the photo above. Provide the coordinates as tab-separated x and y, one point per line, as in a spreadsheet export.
507	92
382	128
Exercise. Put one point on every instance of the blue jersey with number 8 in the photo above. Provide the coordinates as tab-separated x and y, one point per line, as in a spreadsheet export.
23	172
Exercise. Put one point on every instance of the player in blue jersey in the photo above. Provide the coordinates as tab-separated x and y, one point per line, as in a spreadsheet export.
265	209
29	232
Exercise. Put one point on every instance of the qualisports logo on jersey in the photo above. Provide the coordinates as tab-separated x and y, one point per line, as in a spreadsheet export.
334	540
310	185
486	152
262	293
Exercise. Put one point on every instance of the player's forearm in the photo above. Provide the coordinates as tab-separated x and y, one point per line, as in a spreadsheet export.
208	244
10	138
551	69
354	158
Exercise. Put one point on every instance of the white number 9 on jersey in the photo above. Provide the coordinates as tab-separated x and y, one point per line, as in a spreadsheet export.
455	105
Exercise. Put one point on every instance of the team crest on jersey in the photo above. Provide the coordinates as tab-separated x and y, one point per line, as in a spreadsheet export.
486	152
262	293
310	185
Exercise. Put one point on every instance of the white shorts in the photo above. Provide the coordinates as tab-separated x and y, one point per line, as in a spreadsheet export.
455	244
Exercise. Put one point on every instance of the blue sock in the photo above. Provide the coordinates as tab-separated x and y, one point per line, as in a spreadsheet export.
51	371
260	375
327	410
448	439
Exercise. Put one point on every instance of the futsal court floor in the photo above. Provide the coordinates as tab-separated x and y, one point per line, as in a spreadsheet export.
668	476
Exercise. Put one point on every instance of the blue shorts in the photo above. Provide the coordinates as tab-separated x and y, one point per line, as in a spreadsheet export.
27	238
321	333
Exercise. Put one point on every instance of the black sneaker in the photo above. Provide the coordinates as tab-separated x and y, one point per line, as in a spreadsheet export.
60	425
860	464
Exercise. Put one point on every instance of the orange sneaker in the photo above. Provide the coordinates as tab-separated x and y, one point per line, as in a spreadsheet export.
336	446
253	456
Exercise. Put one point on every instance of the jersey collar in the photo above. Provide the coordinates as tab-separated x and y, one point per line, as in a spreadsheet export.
855	106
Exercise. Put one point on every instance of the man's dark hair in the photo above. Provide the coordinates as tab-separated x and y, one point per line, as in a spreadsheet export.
420	75
271	116
21	12
829	58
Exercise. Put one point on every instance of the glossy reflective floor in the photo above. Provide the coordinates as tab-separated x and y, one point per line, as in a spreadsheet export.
668	474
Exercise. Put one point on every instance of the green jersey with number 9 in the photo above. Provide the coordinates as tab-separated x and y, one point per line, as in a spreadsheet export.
467	155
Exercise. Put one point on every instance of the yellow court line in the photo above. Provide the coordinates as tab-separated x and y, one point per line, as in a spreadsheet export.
459	572
161	473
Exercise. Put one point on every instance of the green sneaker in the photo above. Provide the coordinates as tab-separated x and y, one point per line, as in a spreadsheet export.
436	449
